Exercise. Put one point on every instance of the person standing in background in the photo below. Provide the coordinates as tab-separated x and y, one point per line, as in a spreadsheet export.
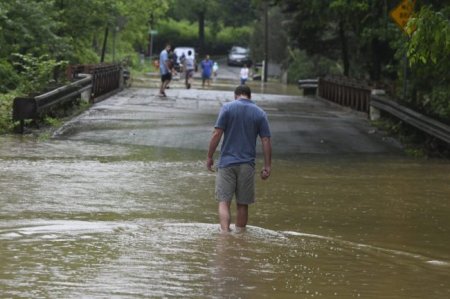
189	68
215	69
165	70
206	66
244	74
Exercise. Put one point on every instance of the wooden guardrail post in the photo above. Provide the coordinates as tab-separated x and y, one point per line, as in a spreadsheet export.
374	112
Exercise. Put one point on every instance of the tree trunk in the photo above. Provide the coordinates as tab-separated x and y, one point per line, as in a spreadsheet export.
201	32
375	69
344	44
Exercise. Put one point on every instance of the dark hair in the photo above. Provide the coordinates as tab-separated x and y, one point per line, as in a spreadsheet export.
243	90
189	52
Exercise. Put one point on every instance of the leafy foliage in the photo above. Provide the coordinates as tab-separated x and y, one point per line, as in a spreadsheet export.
214	15
278	39
360	37
184	33
307	67
356	33
301	67
38	37
36	72
74	30
428	51
9	77
6	101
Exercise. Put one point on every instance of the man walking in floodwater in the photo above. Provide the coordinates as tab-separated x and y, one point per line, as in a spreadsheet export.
241	122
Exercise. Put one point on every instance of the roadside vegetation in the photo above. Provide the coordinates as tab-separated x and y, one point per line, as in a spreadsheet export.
308	38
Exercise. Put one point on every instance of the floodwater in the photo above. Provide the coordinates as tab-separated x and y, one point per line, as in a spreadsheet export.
110	209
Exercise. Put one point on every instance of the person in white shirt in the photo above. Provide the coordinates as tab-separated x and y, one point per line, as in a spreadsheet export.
189	67
244	74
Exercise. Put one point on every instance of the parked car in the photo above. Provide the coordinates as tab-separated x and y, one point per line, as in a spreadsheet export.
239	56
179	52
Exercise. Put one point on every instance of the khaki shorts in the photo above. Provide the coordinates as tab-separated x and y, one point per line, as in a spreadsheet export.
238	180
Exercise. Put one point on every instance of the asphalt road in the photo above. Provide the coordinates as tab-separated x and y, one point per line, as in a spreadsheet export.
185	119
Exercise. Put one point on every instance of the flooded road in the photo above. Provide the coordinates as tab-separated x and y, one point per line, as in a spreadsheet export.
119	205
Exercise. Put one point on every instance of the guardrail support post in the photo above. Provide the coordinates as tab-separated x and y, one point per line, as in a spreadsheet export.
374	113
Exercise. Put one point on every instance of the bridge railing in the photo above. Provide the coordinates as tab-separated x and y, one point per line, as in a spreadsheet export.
97	81
345	92
423	123
107	79
361	97
32	107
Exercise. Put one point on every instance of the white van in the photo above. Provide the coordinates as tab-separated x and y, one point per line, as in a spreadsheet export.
180	51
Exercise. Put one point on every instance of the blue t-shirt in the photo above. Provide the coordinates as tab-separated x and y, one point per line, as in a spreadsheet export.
242	121
206	68
163	57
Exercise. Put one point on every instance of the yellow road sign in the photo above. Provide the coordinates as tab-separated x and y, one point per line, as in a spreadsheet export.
402	12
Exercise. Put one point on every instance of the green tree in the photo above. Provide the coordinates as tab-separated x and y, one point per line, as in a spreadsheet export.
28	27
127	21
73	30
278	39
216	14
342	30
428	51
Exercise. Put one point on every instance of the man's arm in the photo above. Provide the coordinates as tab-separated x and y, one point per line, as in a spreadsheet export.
167	64
267	151
215	139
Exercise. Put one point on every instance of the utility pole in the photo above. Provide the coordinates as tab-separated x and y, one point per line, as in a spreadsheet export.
105	39
266	39
151	25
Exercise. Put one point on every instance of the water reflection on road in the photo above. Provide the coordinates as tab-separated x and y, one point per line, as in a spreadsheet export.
87	218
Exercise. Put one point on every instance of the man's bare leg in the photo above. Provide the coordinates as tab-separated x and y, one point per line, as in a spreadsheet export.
241	217
164	86
224	216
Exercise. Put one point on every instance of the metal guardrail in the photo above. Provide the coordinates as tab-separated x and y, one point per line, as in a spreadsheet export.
419	121
359	96
346	92
309	86
100	81
33	107
107	79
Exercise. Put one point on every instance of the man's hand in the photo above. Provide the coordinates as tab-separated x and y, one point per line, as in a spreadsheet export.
267	151
209	164
215	139
265	173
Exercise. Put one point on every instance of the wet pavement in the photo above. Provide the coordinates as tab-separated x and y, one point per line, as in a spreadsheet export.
185	119
118	204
